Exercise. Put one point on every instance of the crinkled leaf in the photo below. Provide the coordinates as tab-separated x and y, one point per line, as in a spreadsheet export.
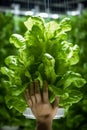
7	72
17	40
73	55
34	21
65	25
68	53
51	28
38	33
17	90
49	63
57	91
61	35
74	97
72	78
17	102
11	61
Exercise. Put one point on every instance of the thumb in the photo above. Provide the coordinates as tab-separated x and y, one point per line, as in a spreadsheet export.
56	102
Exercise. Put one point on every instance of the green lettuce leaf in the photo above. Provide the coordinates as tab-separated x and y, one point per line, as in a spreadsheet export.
43	53
17	40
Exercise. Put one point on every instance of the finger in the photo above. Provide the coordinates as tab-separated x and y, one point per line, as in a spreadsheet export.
33	100
32	91
27	97
37	91
45	91
30	104
56	102
37	87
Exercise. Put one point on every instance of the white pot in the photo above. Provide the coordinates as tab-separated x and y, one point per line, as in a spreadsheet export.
10	128
28	113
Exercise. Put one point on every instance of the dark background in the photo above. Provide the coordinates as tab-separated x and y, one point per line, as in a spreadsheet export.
56	6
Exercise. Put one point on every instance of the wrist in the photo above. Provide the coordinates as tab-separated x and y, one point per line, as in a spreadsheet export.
44	125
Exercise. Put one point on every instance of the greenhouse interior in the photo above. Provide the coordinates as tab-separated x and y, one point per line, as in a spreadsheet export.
43	64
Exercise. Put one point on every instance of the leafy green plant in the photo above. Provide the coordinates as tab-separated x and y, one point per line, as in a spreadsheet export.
44	54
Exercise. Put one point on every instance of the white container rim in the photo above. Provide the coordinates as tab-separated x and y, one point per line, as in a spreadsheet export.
28	113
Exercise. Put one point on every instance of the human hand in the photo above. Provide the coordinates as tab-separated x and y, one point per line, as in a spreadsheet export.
39	103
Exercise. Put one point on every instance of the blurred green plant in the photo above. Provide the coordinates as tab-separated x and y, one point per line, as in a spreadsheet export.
78	35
